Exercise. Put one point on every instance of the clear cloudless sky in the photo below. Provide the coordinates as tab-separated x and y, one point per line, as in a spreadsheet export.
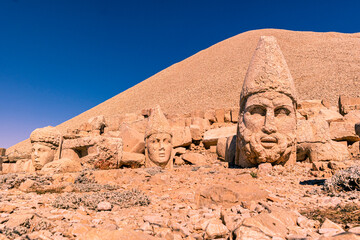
59	58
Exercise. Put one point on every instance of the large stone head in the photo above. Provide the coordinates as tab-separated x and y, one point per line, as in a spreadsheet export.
158	137
45	142
267	120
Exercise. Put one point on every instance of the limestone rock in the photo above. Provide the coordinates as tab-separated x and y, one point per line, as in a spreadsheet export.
343	131
123	234
181	136
347	104
133	160
211	136
215	229
221	148
133	141
194	158
62	165
104	206
195	132
228	196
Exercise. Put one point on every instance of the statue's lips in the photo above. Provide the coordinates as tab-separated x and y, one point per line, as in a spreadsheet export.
161	154
268	141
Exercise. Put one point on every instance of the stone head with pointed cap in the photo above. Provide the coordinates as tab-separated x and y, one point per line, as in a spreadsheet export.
45	143
267	121
158	137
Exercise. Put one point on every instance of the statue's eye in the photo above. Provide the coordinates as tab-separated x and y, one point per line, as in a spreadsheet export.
282	112
258	110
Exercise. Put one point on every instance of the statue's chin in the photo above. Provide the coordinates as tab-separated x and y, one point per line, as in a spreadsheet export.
259	152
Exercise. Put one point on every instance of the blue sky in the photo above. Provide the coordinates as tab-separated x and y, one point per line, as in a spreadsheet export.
59	58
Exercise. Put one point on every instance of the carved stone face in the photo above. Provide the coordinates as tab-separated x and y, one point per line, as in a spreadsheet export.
267	129
159	148
41	154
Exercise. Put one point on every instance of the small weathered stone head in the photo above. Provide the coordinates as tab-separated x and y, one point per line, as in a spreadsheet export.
267	120
45	142
158	137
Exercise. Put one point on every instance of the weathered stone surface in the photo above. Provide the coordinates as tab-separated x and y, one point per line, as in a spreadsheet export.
194	158
195	132
2	151
221	148
314	130
97	123
62	165
181	136
123	234
347	104
133	141
215	229
274	223
211	136
330	227
343	131
220	115
329	151
99	151
133	160
210	115
228	196
267	121
104	206
235	114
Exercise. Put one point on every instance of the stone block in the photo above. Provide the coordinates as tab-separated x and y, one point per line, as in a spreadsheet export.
113	122
329	151
198	114
194	158
347	104
181	136
220	115
235	115
62	165
196	133
221	148
211	136
133	141
304	104
210	115
343	131
97	122
204	124
227	115
133	160
313	130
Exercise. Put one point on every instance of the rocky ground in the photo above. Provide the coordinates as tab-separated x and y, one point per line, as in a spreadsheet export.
210	201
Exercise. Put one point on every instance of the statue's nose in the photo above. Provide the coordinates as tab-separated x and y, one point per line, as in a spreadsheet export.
269	124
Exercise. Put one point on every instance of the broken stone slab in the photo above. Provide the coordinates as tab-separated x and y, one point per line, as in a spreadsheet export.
133	141
228	196
313	130
62	165
181	136
133	160
220	115
221	148
210	115
196	133
347	104
216	229
211	136
329	151
194	158
123	234
235	114
274	224
343	131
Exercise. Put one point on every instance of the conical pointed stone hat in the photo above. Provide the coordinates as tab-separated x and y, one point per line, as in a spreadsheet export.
268	71
157	123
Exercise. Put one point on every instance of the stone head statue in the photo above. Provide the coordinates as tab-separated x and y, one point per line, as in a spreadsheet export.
158	137
45	142
267	120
